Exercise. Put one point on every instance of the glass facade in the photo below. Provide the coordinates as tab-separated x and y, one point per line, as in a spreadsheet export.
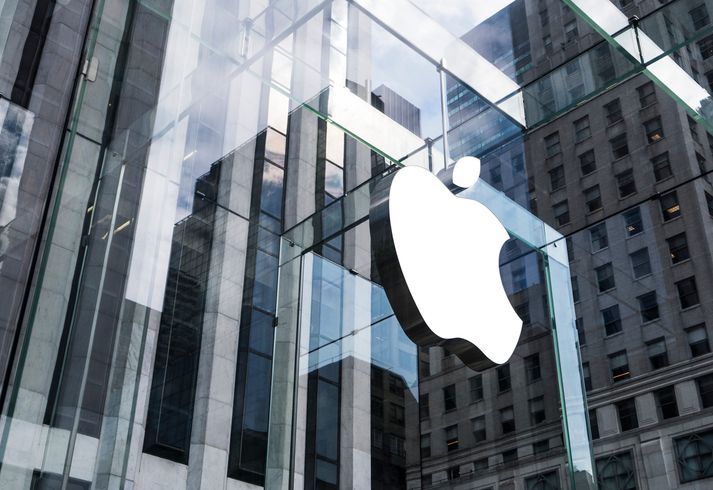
188	293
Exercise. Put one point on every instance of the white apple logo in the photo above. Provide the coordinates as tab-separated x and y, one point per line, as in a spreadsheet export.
438	259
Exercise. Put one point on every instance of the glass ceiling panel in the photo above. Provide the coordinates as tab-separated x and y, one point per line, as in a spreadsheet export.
671	73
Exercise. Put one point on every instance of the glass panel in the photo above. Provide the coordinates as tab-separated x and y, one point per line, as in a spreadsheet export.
188	294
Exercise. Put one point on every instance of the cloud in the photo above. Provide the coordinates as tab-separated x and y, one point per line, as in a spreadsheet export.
460	16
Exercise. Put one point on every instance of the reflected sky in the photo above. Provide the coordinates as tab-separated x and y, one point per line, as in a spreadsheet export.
397	66
460	16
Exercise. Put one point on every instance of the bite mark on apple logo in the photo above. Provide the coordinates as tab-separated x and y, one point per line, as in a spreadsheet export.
438	259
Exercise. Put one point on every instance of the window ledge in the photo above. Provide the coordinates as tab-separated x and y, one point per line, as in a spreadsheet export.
620	332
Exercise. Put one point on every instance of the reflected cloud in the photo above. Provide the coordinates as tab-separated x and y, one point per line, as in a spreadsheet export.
460	16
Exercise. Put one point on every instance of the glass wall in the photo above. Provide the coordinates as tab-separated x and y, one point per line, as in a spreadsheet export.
188	298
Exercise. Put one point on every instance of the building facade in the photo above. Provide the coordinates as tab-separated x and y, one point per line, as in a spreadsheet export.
189	298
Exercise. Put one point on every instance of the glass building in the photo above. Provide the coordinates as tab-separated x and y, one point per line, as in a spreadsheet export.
188	295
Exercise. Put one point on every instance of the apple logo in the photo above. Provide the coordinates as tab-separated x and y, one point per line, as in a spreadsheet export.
438	259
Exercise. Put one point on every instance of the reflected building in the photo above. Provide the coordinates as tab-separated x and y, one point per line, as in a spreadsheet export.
598	174
189	298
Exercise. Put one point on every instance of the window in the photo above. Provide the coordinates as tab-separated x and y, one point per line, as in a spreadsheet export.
519	279
594	424
557	180
582	130
537	410
670	208
662	167
396	413
449	397
694	454
523	311
476	388
510	456
640	262
544	17
619	366
701	162
647	94
480	465
687	292
699	17
653	129
626	184
598	235
397	445
503	377
507	420
532	368
709	202
593	198
605	277
693	128
698	340
333	180
616	472
517	163
561	212
571	32
543	481
423	407
658	356
377	437
678	248
426	445
541	447
666	402
453	473
613	111
705	390
632	222
576	92
547	41
575	289
479	431
396	385
619	146
587	162
626	410
452	438
587	375
612	320
426	481
552	144
706	47
649	307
